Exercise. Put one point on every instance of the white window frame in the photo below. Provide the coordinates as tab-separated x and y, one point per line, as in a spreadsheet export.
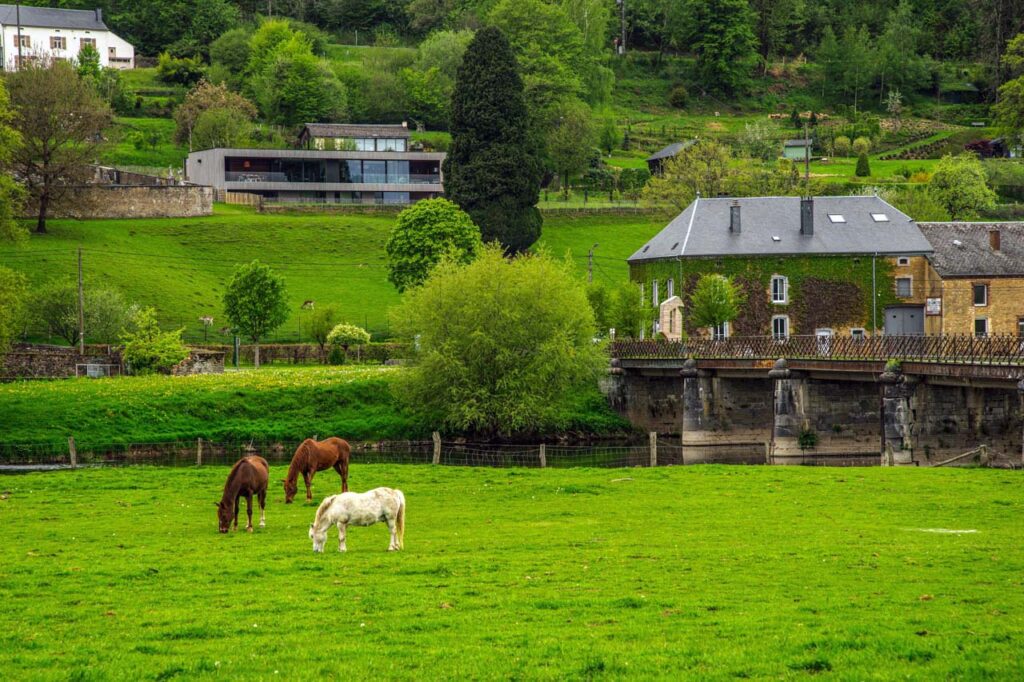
910	286
670	288
975	302
654	293
903	262
988	327
785	320
785	289
720	332
858	333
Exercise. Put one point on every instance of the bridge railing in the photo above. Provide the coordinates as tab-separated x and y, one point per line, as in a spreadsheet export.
988	350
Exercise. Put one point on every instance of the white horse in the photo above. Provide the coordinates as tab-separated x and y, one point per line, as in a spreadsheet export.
360	509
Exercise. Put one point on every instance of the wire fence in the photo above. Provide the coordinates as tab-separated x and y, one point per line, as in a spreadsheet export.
657	451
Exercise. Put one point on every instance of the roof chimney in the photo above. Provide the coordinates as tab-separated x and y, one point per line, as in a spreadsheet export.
807	216
734	218
99	15
993	239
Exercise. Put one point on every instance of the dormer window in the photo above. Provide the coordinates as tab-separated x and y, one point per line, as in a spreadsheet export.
880	217
837	217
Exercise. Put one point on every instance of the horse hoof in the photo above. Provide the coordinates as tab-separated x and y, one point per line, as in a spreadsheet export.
262	524
248	529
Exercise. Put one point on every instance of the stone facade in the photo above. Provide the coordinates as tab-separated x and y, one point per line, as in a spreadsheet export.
1003	311
201	361
28	361
125	201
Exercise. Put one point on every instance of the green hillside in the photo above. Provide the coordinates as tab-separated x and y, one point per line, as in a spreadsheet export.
180	265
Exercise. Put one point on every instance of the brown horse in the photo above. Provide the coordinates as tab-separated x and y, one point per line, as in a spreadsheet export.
248	477
311	457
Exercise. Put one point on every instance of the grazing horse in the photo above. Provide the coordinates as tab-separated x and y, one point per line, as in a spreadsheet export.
360	509
312	456
248	477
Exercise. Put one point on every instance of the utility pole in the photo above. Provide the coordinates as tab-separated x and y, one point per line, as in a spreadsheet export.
18	20
81	307
807	162
590	264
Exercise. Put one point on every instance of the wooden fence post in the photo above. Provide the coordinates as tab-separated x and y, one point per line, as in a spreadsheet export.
73	452
199	452
543	456
654	448
437	447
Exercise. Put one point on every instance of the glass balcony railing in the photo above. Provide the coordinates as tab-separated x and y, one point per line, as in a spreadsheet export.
254	176
366	178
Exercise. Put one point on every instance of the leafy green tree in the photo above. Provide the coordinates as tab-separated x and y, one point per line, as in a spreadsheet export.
12	195
759	141
296	87
13	309
179	70
60	120
208	19
723	40
255	302
88	62
492	170
345	335
841	146
148	349
620	307
916	202
609	137
632	181
503	345
426	233
207	97
570	139
548	47
54	305
899	63
714	301
960	184
221	128
701	167
863	169
862	145
321	321
777	22
1009	109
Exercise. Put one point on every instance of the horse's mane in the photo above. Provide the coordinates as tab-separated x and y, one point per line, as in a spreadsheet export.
320	510
293	467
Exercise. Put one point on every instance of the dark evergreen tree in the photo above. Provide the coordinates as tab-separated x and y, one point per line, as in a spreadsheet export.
493	166
863	167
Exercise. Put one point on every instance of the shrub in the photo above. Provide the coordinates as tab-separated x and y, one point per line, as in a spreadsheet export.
678	97
841	146
345	335
183	70
148	350
425	233
862	145
807	439
863	167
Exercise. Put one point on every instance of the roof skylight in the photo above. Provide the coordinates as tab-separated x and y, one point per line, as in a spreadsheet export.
880	217
837	217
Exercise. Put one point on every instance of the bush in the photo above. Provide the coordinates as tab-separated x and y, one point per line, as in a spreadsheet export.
678	97
841	146
148	350
425	233
184	70
862	145
345	335
863	167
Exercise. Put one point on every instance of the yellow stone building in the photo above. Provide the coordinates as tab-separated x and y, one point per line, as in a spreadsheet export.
974	282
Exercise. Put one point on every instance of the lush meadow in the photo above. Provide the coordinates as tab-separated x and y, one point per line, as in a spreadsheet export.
696	572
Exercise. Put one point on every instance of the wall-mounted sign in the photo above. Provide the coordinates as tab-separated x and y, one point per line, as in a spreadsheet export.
933	306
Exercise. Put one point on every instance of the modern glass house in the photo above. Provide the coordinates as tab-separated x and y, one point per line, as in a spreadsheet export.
366	165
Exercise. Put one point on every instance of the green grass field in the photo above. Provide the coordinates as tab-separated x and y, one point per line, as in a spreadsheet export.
272	404
701	572
121	150
181	265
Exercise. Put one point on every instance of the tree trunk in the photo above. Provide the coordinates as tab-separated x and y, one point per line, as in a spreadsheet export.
44	204
256	354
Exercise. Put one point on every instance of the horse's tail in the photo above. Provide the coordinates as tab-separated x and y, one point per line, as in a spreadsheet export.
400	520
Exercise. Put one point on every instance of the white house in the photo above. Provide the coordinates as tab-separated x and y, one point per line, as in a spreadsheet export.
48	32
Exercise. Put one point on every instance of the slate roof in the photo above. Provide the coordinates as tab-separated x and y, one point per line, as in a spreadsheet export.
973	255
355	130
770	226
671	150
52	17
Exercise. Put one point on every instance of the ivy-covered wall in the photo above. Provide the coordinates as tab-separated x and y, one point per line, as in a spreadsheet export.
824	291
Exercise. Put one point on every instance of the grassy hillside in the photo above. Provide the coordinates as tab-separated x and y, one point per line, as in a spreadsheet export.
181	266
700	572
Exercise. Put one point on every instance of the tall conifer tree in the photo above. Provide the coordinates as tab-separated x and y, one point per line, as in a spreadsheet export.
493	168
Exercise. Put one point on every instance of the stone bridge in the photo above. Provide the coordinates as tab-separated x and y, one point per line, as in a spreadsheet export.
820	399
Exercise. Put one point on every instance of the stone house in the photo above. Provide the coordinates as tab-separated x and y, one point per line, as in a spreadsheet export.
823	266
975	278
30	33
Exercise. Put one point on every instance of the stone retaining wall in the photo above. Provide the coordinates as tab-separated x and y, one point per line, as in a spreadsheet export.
134	201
